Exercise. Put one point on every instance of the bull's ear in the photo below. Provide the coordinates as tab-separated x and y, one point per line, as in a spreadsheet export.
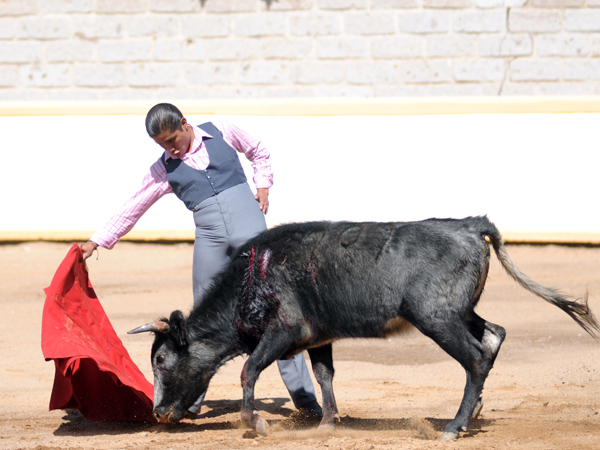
178	328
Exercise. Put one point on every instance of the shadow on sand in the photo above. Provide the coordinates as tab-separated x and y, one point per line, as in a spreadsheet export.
426	428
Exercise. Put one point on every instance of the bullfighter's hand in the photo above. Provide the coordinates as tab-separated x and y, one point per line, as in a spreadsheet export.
262	197
87	249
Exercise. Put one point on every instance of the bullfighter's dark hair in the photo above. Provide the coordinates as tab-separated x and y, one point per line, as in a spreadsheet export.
163	117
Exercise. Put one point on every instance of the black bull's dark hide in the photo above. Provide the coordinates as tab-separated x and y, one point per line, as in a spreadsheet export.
302	286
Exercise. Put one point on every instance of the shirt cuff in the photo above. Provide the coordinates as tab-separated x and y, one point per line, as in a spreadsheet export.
263	182
102	241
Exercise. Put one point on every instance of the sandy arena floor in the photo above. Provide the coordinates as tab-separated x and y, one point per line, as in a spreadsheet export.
543	393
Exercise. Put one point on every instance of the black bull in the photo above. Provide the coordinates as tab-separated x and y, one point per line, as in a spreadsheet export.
303	286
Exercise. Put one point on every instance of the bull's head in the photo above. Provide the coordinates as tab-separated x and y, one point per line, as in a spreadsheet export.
182	368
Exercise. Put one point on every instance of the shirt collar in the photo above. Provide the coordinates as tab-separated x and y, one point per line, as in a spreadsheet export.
199	135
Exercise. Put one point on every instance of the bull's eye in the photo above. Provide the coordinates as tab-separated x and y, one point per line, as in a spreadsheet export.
160	359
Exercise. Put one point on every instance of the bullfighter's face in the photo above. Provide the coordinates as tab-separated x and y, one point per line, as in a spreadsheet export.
178	142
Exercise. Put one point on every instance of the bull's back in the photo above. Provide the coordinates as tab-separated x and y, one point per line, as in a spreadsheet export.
356	279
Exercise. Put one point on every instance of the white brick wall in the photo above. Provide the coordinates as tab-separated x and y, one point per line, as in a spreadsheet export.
137	49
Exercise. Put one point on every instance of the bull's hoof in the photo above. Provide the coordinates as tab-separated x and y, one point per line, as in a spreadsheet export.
256	422
262	427
328	423
449	436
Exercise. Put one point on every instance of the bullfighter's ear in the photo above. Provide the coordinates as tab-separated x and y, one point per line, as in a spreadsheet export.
178	328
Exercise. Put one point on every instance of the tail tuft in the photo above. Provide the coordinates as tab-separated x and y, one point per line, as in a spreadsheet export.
581	313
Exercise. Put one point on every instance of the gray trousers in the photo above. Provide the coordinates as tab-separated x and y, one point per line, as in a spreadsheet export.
223	223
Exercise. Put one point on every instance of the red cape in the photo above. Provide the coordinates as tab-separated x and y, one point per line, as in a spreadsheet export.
94	372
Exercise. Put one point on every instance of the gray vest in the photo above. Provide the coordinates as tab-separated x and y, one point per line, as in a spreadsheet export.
224	171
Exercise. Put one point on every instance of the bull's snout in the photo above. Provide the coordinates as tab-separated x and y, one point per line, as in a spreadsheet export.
167	415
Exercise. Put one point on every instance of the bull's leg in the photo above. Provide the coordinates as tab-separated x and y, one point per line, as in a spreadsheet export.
475	345
322	365
249	415
273	344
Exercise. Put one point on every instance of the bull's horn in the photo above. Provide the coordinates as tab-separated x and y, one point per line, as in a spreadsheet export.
157	327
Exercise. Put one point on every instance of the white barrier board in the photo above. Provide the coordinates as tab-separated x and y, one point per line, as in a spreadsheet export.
527	172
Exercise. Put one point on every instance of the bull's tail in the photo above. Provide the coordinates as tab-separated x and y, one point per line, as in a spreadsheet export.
578	309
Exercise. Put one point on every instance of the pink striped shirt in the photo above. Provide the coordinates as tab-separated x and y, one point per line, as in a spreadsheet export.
155	183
